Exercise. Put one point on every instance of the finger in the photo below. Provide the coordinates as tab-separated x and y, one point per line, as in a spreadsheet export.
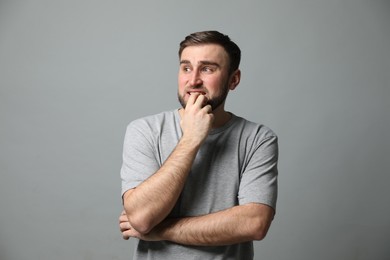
201	101
125	236
130	233
193	97
208	108
123	218
124	226
123	213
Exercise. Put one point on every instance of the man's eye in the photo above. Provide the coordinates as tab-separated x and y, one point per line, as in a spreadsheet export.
186	69
207	69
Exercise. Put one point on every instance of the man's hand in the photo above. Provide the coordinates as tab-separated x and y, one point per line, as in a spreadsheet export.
128	231
124	225
197	119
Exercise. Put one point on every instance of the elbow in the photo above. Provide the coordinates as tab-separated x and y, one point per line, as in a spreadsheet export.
260	230
140	225
261	221
139	222
139	219
259	235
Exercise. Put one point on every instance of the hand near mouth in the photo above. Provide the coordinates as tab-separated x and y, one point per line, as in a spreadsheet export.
197	118
197	94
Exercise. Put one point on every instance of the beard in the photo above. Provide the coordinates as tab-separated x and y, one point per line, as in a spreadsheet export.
214	102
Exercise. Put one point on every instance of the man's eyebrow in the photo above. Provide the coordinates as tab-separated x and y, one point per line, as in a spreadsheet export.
203	62
206	62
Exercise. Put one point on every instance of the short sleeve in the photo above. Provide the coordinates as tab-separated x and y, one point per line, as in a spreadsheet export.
139	160
259	179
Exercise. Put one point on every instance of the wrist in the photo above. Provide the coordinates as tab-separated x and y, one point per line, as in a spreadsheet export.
190	142
165	229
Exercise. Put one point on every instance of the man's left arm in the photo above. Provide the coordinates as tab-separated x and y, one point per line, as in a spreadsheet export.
234	225
250	220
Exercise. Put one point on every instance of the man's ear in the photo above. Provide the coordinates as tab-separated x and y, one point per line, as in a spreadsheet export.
235	79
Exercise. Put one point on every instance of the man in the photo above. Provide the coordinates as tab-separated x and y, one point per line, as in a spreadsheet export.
199	182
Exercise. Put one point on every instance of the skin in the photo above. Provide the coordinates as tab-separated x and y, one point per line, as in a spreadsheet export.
203	84
204	70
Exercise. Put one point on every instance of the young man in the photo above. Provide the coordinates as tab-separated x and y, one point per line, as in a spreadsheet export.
199	182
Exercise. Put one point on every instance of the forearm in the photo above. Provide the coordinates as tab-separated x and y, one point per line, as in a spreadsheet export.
152	201
235	225
149	203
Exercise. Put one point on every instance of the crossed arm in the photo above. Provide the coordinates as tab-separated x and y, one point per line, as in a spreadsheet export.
147	206
235	225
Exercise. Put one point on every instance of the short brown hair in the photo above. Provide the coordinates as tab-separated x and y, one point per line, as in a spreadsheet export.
215	37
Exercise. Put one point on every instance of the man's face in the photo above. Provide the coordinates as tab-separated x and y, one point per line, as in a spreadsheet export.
204	70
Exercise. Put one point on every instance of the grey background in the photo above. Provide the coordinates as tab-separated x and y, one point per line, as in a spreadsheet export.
74	73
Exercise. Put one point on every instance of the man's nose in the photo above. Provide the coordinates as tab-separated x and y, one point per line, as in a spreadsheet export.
195	79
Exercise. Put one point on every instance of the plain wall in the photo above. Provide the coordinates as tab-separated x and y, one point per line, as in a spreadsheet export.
73	74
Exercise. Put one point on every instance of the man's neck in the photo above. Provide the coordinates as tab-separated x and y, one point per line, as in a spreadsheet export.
221	118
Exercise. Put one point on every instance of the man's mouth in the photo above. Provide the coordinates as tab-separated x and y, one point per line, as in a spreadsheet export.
196	92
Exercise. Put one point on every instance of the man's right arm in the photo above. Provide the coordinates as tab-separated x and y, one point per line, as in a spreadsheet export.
151	202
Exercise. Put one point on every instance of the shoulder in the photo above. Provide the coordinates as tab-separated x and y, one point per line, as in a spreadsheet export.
253	129
152	121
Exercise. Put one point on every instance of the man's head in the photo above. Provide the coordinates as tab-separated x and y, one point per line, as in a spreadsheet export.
208	66
214	37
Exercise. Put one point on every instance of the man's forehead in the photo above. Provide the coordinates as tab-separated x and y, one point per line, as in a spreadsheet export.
204	53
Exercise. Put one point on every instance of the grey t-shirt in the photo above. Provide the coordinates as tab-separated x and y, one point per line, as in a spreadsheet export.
237	164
